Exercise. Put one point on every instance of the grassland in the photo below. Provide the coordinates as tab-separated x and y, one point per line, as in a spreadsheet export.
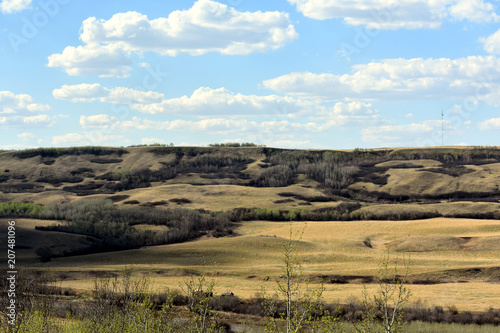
455	258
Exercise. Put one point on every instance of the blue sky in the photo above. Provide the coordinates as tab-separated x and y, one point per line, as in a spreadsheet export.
284	73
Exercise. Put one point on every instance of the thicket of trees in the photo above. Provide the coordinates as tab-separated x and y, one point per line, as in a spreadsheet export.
154	145
335	170
474	155
57	152
235	144
114	227
275	176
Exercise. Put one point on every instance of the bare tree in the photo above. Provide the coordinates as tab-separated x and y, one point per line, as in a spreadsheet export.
303	304
125	305
200	294
35	297
390	300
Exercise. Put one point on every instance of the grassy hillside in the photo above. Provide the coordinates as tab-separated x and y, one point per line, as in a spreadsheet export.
48	176
174	211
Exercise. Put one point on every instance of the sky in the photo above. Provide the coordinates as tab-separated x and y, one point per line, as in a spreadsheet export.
323	74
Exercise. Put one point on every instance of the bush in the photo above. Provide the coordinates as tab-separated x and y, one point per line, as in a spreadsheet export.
56	181
44	253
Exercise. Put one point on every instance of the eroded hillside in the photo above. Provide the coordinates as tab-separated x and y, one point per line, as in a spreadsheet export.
225	178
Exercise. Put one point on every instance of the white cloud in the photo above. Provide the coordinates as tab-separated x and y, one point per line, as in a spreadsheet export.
11	6
28	121
40	120
415	134
97	121
20	111
476	11
90	138
208	26
102	60
95	92
491	44
490	124
353	114
214	125
265	131
209	102
401	79
149	141
291	144
394	14
70	138
26	136
11	103
81	92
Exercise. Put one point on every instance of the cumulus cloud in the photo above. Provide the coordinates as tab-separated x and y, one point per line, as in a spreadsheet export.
83	139
416	134
476	11
490	124
353	114
11	6
95	92
26	136
401	79
29	137
29	121
491	44
97	121
206	101
392	14
102	60
214	125
11	103
208	26
19	110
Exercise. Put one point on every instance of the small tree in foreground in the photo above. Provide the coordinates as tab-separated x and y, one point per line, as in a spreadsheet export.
301	305
200	294
125	305
384	313
35	299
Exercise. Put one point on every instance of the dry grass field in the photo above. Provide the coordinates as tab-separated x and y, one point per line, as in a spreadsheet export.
459	256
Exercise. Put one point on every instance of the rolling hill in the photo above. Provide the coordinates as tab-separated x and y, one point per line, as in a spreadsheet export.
175	211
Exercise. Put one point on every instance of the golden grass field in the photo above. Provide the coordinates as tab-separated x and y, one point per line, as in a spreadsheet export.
241	264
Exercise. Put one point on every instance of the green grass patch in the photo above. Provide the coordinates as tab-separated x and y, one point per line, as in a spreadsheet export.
19	209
